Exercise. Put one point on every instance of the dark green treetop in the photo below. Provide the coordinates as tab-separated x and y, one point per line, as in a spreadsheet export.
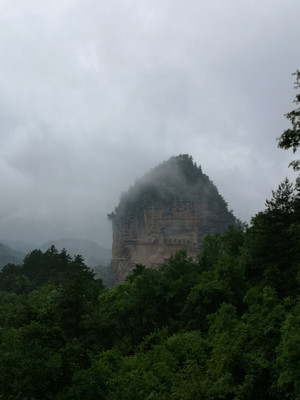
290	138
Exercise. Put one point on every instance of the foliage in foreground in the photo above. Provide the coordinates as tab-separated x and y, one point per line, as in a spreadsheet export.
224	326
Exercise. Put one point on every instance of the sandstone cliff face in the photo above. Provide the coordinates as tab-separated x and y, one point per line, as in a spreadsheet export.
150	230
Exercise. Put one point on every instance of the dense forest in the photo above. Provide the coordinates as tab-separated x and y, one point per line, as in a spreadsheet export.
223	326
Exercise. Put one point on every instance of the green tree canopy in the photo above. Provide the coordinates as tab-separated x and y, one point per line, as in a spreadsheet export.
290	138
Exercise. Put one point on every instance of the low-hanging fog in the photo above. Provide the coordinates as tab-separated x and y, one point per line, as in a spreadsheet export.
94	93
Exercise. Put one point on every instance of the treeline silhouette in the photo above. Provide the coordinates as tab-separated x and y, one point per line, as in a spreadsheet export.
226	325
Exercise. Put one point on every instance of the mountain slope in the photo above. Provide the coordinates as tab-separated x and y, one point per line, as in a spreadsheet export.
7	255
93	253
19	245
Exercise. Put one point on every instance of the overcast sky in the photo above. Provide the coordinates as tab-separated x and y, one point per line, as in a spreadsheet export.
94	93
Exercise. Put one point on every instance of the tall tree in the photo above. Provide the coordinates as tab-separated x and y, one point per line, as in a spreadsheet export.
291	137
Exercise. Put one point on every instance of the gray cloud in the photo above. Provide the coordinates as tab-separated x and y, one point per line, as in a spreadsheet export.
95	93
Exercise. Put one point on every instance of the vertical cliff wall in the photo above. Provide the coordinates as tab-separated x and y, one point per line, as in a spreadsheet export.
172	207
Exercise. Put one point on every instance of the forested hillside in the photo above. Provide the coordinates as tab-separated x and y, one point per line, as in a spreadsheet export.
223	326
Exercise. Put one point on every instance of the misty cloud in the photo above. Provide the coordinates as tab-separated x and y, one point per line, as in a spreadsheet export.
94	94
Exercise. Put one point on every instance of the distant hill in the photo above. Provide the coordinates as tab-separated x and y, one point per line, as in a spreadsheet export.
7	255
19	245
93	253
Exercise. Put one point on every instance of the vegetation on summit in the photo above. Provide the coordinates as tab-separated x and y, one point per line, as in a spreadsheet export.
179	177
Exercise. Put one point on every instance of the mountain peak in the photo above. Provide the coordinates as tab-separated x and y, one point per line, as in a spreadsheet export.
171	207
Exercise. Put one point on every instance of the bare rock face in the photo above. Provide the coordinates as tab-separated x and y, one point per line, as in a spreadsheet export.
171	208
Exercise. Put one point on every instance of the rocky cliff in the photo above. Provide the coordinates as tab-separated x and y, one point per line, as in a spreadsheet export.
172	207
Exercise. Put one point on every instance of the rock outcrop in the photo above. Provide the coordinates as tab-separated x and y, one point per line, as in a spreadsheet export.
172	207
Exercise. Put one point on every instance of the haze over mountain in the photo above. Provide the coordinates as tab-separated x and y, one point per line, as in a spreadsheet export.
8	255
92	252
19	245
